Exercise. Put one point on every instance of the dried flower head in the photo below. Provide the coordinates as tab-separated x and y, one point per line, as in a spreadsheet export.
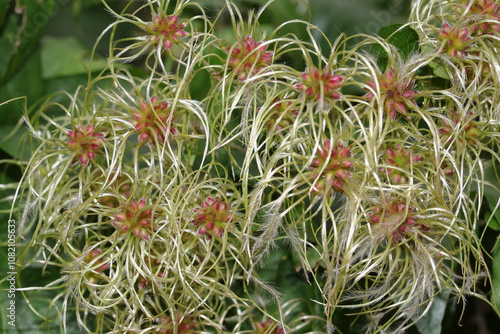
165	30
212	217
331	167
456	41
397	221
85	143
404	160
249	57
397	93
481	11
153	120
320	84
137	218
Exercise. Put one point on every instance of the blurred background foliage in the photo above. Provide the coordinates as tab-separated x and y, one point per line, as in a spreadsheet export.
46	46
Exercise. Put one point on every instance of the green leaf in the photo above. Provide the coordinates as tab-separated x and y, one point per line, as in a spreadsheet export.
14	145
17	86
495	220
4	7
405	40
79	4
7	42
432	322
200	85
492	194
66	57
11	112
281	273
20	36
495	296
26	320
439	69
436	65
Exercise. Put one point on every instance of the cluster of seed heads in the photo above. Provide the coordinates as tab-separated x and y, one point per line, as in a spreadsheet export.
166	205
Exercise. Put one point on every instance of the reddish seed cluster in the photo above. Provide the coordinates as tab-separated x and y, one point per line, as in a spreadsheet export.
462	129
85	143
185	325
456	40
404	160
332	165
397	222
153	120
283	115
96	274
136	217
249	57
266	327
165	29
398	94
482	11
212	217
319	84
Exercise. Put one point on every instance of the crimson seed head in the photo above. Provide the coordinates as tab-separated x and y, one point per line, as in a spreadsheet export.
397	221
485	15
403	159
320	84
212	217
456	41
398	94
249	57
136	217
84	143
332	165
153	120
165	30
